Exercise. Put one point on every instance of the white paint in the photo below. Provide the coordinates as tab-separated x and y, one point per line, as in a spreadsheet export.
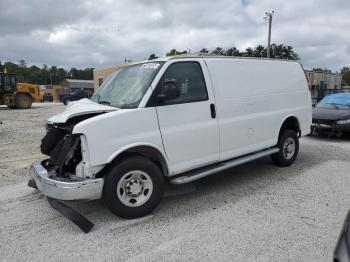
80	107
252	98
190	135
107	134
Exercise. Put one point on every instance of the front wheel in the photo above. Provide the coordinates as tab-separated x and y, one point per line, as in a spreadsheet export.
23	101
288	144
133	187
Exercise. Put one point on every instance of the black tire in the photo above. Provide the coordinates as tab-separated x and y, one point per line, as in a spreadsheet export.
346	135
115	175
285	157
66	101
23	101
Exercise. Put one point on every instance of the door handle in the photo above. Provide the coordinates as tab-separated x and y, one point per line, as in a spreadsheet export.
212	111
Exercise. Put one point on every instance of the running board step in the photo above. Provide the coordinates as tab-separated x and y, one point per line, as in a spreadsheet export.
192	176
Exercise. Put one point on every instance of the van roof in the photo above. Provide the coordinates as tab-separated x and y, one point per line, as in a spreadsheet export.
204	55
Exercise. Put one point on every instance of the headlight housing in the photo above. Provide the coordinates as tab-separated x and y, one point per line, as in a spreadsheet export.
343	122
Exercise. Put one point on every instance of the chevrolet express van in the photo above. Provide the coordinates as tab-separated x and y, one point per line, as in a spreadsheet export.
175	119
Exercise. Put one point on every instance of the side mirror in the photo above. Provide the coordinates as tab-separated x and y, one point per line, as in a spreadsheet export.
170	90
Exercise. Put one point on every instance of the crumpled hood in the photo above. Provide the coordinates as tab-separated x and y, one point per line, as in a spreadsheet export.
80	107
330	114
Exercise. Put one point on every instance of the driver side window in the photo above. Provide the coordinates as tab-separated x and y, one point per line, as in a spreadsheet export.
189	77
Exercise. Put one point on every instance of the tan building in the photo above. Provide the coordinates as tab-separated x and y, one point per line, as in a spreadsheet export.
323	83
101	74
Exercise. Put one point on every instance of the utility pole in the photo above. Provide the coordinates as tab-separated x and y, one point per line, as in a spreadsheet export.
268	17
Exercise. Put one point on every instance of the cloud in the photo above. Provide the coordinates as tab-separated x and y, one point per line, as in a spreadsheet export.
95	34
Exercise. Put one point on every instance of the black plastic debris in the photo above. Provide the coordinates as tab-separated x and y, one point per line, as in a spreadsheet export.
31	183
82	222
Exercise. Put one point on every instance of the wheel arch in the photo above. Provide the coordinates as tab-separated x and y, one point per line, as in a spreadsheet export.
290	122
150	151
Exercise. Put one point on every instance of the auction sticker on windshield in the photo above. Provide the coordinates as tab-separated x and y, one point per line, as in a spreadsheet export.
150	66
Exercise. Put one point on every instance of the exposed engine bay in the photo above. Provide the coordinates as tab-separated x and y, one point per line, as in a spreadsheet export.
63	148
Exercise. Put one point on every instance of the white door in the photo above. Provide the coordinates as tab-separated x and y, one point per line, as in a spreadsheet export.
188	124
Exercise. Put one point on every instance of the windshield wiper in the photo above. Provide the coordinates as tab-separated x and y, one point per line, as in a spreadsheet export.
129	106
104	102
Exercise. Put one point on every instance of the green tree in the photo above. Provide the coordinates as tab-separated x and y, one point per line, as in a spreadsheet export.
173	52
233	51
345	71
283	52
259	51
219	51
249	52
22	63
322	70
44	75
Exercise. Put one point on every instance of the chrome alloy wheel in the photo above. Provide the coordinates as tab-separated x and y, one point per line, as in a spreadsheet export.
289	148
134	188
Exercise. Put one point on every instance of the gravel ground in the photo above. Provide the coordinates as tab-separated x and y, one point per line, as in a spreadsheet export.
255	212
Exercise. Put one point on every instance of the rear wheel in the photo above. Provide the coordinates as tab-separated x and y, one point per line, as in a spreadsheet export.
288	144
23	101
133	187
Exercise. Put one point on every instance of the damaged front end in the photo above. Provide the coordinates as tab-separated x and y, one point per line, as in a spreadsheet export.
62	175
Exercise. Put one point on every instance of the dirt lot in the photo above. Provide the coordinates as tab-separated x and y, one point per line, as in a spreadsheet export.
256	212
20	136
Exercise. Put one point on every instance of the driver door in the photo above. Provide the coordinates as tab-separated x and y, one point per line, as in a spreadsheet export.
188	124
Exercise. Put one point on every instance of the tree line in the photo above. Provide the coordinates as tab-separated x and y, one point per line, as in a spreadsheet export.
280	51
54	75
44	75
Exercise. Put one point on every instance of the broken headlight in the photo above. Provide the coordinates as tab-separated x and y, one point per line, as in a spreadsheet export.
343	122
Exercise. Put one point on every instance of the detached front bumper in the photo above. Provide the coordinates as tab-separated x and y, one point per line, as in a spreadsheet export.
87	189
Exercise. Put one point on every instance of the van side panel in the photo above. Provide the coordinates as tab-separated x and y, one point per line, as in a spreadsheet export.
108	133
254	97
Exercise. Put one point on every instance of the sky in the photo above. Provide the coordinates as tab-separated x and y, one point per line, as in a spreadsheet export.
91	33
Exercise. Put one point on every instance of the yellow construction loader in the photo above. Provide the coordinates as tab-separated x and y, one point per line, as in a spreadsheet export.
17	95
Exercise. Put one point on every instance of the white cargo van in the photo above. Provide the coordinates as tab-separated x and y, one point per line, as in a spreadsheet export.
177	119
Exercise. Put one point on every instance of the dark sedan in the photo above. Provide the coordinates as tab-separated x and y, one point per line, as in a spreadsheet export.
331	116
65	98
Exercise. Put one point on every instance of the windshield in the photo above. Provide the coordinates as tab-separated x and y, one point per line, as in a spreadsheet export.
337	101
126	87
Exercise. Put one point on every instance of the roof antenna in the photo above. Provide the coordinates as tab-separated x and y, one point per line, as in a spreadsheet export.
152	56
